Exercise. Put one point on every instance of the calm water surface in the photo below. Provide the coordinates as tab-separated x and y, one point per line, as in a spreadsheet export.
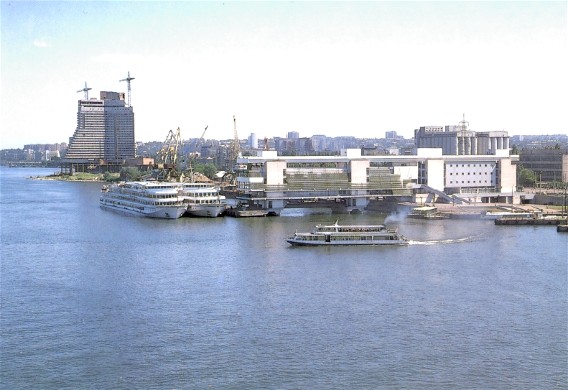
94	299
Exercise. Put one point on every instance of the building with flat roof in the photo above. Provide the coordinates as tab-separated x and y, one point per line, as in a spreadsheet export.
104	133
460	140
271	181
549	165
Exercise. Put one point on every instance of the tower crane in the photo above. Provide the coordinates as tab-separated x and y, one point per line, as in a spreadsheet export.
86	91
128	79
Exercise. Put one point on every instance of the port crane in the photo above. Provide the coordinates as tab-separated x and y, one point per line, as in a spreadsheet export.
235	147
193	156
233	153
167	157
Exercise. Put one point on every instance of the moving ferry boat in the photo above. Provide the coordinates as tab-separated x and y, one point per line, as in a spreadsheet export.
144	198
203	200
348	235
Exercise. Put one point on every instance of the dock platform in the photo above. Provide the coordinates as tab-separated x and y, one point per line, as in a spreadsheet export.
245	212
530	221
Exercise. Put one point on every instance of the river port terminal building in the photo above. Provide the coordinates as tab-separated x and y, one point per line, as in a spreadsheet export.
353	180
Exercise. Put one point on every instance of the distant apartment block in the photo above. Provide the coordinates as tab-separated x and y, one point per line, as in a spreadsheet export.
319	143
104	133
43	152
293	146
391	135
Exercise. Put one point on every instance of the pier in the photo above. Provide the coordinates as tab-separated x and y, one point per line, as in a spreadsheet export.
530	221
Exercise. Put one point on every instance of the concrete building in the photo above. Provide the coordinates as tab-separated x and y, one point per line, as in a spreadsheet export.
272	181
549	165
474	178
319	143
104	133
391	135
459	140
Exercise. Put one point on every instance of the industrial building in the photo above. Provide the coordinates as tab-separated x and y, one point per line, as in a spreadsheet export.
460	140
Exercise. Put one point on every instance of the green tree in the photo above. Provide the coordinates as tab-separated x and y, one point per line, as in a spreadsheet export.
526	177
130	174
108	176
210	170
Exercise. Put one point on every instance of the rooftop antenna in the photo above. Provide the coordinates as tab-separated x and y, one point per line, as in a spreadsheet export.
86	91
464	124
128	79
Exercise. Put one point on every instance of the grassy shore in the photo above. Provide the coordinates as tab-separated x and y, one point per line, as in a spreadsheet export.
81	176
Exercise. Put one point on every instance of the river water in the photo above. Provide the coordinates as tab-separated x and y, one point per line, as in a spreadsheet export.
94	299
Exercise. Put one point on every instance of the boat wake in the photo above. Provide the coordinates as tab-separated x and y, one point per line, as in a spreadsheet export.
448	241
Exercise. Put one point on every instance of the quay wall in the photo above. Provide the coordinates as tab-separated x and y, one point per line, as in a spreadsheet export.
556	200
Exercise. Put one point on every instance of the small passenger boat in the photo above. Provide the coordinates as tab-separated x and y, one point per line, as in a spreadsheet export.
426	212
348	235
504	214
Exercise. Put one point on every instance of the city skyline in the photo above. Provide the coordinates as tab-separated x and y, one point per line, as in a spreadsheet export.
335	69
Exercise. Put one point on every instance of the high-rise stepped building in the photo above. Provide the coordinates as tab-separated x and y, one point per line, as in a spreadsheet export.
104	133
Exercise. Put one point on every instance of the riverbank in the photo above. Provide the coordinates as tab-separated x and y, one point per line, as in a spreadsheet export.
474	211
82	177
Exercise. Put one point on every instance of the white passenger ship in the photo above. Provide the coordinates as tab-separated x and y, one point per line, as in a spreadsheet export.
348	235
144	198
203	200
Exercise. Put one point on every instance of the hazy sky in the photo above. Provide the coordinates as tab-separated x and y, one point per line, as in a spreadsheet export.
333	68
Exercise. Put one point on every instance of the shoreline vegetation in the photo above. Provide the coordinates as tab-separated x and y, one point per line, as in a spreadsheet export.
81	176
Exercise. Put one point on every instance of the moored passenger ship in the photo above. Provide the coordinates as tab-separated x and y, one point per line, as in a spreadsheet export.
144	198
203	200
348	235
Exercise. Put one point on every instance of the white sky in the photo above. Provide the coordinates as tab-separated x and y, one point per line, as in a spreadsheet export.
333	68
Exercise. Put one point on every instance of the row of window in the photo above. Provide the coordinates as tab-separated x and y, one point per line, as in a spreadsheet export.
471	173
469	165
468	182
